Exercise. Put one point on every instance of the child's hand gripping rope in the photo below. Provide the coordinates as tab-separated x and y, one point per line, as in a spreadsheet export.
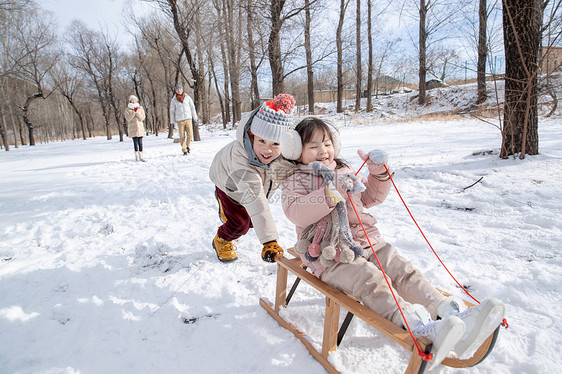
375	160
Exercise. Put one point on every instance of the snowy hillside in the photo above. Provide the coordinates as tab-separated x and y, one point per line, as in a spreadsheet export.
106	264
441	103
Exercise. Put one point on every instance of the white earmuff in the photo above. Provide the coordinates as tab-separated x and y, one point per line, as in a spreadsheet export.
336	140
291	145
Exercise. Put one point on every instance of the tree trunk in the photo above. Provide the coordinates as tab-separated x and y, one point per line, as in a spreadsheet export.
15	125
4	133
422	56
308	50
118	115
359	73
254	87
521	30
109	87
274	46
4	126
339	47
370	67
482	52
26	120
205	114
105	111
20	128
221	101
233	66
227	100
78	113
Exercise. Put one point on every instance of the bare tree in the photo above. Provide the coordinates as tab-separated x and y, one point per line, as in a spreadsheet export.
521	24
88	56
203	109
112	62
163	70
278	16
482	52
70	86
35	58
231	29
317	47
358	72
481	27
370	53
308	52
434	17
254	63
182	15
227	96
339	47
423	9
551	32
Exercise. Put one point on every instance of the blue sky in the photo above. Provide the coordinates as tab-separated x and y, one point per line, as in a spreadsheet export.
95	14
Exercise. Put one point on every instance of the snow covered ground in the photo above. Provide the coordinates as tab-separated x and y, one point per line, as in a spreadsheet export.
106	264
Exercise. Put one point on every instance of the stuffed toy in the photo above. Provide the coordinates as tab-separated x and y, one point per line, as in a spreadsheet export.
330	239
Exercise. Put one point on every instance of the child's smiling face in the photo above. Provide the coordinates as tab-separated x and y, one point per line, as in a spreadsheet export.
266	150
319	148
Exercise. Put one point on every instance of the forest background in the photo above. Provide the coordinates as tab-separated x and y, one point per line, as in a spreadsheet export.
231	55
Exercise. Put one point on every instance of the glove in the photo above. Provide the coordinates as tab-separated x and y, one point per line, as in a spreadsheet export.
136	108
351	184
378	157
376	160
322	170
270	251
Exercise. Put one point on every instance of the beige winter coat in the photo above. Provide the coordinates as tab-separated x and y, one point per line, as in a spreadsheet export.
135	126
248	185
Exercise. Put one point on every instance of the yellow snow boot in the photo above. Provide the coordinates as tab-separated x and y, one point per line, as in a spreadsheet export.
226	251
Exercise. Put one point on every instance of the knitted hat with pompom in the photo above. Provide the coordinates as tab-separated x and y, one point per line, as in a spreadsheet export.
274	118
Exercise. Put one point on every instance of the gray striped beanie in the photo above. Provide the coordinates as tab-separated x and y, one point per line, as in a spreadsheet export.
273	118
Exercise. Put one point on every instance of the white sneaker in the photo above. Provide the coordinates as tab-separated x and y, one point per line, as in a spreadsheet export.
451	306
416	314
481	321
444	334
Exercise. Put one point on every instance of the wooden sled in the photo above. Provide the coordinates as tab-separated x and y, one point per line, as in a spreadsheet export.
331	337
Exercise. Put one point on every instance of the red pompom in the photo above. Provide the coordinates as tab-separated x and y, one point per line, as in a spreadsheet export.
314	250
284	102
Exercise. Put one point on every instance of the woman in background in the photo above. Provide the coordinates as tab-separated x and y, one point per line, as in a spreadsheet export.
134	115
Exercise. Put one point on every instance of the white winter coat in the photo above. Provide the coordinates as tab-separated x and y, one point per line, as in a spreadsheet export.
182	111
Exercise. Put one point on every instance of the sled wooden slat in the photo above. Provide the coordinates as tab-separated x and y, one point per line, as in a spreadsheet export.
331	322
336	299
300	335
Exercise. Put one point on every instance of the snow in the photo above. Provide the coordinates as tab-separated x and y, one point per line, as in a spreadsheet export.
106	264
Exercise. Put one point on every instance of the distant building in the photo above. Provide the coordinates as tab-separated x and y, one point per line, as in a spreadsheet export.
552	60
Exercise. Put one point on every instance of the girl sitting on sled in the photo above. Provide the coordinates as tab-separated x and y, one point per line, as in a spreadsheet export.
332	244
